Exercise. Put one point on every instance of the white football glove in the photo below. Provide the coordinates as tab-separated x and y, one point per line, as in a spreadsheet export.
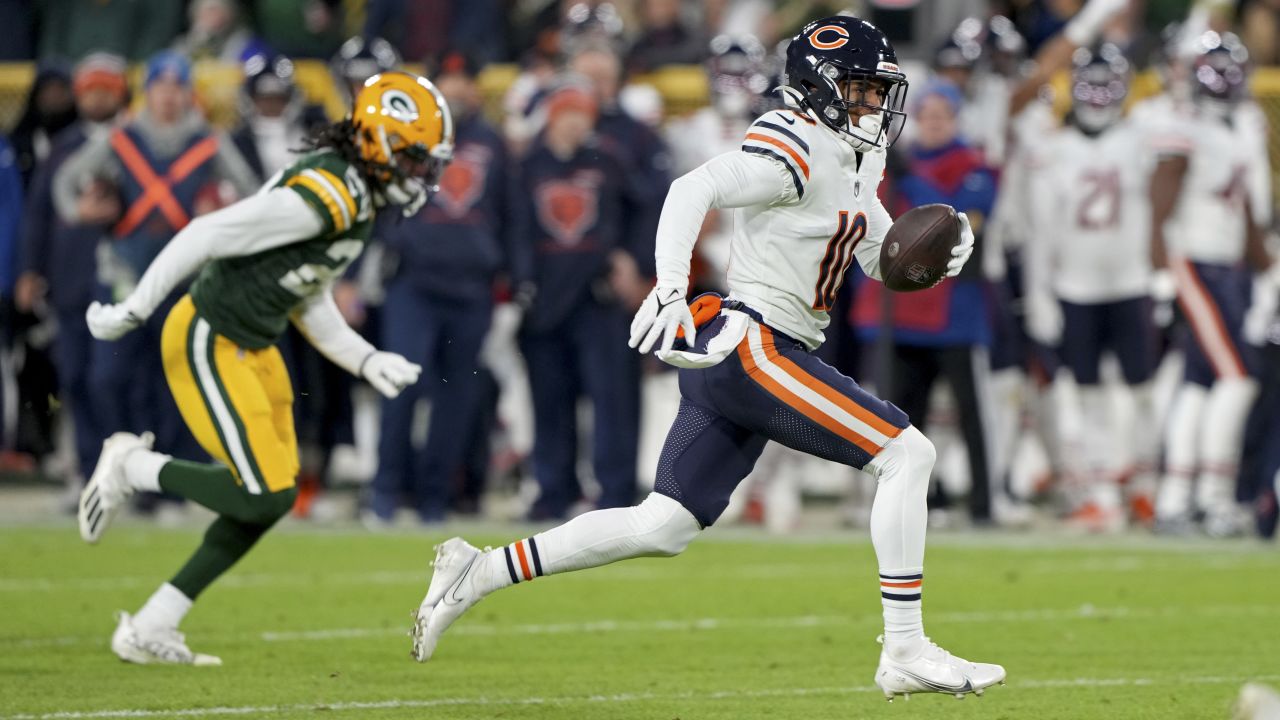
1044	319
389	373
1262	311
111	322
661	314
961	252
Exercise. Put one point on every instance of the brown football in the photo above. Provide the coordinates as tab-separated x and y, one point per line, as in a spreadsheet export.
916	251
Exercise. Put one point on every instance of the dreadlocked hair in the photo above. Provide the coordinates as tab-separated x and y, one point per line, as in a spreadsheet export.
340	137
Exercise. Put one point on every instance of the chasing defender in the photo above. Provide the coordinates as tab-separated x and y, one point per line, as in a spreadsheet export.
265	261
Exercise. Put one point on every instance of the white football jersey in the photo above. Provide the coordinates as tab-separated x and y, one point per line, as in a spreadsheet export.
1228	171
789	258
1092	213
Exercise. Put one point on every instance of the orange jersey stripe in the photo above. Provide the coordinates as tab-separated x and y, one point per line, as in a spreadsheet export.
804	167
795	402
841	400
524	562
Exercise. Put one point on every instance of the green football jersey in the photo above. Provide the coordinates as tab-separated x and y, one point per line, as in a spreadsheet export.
249	298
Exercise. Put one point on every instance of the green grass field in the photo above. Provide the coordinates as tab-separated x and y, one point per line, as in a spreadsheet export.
738	627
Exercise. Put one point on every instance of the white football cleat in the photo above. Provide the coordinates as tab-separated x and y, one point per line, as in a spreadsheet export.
107	489
451	592
934	671
155	647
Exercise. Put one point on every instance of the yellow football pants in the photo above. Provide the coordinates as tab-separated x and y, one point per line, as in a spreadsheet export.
238	403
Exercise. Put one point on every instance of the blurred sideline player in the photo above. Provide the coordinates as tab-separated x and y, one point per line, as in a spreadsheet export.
1023	447
1088	273
1211	199
263	262
803	187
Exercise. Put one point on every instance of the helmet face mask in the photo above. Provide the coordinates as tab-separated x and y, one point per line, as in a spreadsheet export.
831	66
1220	73
1099	88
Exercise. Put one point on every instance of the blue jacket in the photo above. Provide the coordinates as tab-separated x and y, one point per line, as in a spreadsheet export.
956	312
648	166
47	241
10	216
455	246
567	217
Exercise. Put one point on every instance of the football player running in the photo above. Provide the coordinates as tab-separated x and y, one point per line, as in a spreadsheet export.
263	262
802	188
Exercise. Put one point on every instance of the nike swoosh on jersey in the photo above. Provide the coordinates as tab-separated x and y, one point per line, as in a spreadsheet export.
786	119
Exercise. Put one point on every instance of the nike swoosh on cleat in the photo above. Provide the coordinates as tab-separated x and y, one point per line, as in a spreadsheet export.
939	687
453	589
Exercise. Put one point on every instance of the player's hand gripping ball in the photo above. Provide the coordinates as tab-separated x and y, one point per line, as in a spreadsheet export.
925	246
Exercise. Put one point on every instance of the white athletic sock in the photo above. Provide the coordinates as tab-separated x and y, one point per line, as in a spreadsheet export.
164	609
899	516
900	592
1225	411
659	526
142	469
1173	498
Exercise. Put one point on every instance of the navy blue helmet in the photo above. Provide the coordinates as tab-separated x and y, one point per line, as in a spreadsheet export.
1220	71
1099	86
830	54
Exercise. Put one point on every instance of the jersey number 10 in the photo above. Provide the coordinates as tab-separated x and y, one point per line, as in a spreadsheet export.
837	258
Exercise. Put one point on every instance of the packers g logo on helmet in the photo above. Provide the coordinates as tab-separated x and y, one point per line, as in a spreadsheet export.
403	127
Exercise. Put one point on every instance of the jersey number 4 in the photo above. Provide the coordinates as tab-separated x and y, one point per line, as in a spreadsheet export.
304	279
837	258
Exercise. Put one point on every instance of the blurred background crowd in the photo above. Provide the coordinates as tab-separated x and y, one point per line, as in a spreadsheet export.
1071	374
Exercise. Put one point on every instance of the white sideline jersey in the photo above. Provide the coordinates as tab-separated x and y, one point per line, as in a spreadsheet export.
1092	213
789	257
1228	174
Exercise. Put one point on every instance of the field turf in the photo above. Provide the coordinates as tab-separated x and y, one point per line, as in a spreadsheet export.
313	624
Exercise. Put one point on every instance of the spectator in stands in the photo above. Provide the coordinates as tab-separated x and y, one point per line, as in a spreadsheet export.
50	108
943	331
427	28
665	39
569	229
133	29
144	178
439	305
101	93
274	115
10	217
299	28
215	33
18	19
643	154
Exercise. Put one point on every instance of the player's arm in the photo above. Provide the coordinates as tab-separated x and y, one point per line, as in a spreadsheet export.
1166	186
231	166
732	180
1055	54
321	322
259	222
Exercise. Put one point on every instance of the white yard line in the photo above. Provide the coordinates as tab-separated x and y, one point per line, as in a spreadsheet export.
1034	615
673	572
1015	685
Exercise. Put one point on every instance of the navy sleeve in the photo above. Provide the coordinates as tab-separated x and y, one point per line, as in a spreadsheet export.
36	225
10	216
521	227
